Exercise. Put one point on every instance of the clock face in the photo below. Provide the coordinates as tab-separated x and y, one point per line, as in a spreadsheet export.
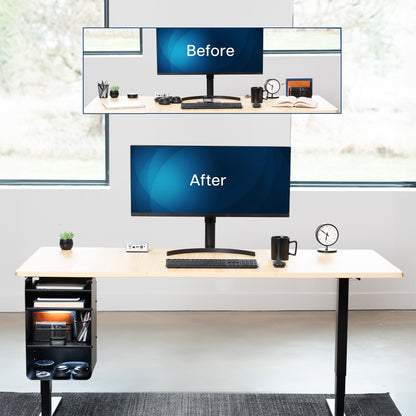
272	86
327	234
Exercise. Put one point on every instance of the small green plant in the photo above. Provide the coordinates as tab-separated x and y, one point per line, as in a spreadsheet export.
114	88
67	235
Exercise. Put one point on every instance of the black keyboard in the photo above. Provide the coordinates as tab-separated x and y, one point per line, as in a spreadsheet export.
212	263
200	105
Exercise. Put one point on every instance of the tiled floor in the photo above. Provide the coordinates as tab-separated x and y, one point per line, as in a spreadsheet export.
235	352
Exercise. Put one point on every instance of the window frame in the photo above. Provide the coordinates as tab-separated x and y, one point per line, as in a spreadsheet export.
75	182
335	184
305	51
114	52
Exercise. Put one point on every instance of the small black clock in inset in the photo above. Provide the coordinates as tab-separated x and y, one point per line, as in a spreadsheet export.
271	87
327	235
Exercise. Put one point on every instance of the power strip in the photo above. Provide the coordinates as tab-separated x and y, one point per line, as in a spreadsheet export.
142	247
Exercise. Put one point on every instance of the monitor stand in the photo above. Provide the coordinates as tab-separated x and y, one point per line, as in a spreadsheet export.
209	98
210	243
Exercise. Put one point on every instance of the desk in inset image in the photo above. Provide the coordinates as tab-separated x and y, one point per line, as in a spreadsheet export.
151	107
88	262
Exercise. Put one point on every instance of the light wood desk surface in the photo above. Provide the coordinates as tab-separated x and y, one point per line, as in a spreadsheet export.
151	107
115	262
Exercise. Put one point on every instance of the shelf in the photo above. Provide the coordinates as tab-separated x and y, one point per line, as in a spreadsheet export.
33	309
72	344
59	290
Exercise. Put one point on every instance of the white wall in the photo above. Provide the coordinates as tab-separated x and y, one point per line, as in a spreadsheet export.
383	220
139	74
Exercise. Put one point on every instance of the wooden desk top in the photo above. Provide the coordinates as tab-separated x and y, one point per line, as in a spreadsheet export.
151	107
115	262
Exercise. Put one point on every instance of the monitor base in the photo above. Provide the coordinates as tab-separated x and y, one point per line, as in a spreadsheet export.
211	250
210	99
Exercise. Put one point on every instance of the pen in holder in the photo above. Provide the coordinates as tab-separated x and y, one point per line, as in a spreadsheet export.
82	327
103	89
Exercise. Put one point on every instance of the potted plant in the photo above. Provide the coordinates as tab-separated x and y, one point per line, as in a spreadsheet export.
114	91
66	241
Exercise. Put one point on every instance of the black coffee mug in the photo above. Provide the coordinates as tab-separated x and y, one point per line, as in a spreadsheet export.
257	95
280	247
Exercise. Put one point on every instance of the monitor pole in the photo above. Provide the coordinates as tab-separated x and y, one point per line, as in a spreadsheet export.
210	232
210	93
210	90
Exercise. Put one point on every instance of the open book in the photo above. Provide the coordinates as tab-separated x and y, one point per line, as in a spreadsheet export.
292	101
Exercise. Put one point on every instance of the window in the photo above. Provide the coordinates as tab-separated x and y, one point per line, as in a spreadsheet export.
100	41
45	137
372	142
298	40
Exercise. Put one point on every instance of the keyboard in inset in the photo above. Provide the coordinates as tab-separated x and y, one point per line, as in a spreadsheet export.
212	263
200	105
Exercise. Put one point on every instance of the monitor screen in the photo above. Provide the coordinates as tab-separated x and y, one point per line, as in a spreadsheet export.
209	50
210	180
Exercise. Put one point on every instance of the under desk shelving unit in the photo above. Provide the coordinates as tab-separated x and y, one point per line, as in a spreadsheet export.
69	352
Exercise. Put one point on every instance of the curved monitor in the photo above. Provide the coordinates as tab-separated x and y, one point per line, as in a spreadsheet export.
209	50
210	180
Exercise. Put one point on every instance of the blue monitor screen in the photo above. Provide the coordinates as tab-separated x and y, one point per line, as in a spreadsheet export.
209	50
210	180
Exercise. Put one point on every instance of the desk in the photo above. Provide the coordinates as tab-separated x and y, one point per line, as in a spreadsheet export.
86	262
151	107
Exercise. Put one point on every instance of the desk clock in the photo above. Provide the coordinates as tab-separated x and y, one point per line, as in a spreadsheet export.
327	235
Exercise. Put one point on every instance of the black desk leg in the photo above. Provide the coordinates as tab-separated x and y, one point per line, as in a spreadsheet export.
46	396
341	346
49	403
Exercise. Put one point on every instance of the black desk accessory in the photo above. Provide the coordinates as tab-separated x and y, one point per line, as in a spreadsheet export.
132	96
280	250
212	263
206	105
62	372
279	263
82	371
164	100
327	235
300	92
44	365
271	88
280	247
167	100
256	96
103	89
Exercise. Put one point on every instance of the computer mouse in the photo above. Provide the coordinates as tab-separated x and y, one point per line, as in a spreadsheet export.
165	100
256	105
176	100
279	263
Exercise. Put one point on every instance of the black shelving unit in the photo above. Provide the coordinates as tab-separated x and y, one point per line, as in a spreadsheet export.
71	352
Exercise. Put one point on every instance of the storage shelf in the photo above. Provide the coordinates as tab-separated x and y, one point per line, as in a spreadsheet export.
59	290
59	309
72	351
72	344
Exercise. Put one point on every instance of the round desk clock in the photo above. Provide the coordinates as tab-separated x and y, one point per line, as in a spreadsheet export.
327	235
272	87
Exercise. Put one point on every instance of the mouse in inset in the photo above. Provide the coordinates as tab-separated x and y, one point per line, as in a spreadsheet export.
176	100
256	105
